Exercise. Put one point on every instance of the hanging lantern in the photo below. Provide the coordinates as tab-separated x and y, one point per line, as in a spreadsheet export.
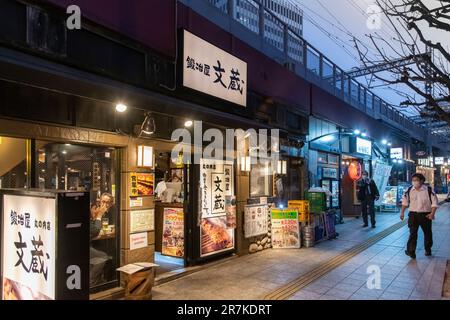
355	170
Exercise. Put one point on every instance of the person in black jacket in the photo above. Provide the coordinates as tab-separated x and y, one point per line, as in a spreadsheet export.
368	193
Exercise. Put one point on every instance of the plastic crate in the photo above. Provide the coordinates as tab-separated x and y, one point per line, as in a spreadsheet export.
302	206
317	201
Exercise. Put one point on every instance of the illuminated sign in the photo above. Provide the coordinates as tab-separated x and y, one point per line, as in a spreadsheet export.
364	146
396	153
213	71
28	248
439	160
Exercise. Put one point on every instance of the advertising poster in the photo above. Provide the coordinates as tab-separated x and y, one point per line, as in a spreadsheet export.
216	184
390	196
215	236
145	184
28	248
173	232
285	229
255	220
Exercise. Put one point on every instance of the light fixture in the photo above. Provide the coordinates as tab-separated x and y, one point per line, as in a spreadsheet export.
400	161
384	141
188	123
363	134
395	161
343	163
281	167
148	127
144	156
120	107
245	164
327	138
389	144
64	152
357	131
281	206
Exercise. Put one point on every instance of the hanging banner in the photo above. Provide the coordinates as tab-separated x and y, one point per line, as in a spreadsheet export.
255	220
173	232
285	229
216	184
381	174
28	248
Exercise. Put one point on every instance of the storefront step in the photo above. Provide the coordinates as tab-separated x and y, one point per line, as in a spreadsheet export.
176	274
111	294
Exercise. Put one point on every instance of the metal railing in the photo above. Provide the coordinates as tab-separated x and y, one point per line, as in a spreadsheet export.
309	62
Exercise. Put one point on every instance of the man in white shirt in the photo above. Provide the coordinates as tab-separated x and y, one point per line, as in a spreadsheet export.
422	203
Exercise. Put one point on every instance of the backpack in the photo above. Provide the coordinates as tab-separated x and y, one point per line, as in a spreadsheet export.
430	193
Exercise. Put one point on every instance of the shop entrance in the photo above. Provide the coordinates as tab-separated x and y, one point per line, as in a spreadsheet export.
172	187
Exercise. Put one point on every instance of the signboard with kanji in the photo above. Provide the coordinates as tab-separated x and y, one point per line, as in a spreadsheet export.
28	248
285	229
213	71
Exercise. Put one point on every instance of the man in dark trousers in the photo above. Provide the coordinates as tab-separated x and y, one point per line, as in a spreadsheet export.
367	194
422	203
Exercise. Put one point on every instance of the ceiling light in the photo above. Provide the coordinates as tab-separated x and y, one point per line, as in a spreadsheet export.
64	152
384	141
357	132
188	123
364	134
120	107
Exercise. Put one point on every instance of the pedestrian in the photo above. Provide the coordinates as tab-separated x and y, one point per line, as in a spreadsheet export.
422	203
368	193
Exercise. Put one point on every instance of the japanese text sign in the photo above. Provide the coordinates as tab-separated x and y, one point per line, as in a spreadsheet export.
29	247
213	71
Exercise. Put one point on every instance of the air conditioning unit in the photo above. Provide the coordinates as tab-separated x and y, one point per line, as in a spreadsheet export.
46	32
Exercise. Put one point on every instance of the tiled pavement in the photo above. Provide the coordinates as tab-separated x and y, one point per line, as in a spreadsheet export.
255	276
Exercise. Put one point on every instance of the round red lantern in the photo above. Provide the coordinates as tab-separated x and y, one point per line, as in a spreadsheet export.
355	170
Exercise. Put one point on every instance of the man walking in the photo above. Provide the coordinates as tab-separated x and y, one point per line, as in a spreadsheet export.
368	193
422	203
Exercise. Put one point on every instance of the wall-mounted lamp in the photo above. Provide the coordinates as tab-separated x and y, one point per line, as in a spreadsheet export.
282	167
245	164
144	156
148	127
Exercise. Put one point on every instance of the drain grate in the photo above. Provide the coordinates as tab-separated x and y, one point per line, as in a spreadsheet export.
293	287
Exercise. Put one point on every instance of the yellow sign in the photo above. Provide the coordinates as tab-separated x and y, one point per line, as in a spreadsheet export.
133	185
302	206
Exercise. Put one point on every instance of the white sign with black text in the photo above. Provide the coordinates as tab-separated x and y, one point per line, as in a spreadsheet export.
211	70
28	248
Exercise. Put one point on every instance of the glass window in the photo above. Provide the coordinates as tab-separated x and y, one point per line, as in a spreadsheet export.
322	157
261	180
93	169
13	163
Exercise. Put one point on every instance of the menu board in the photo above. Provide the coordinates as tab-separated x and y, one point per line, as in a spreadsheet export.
142	220
285	229
28	248
255	220
173	232
381	174
216	184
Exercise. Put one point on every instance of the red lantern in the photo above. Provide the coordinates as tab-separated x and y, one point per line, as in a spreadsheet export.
355	170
